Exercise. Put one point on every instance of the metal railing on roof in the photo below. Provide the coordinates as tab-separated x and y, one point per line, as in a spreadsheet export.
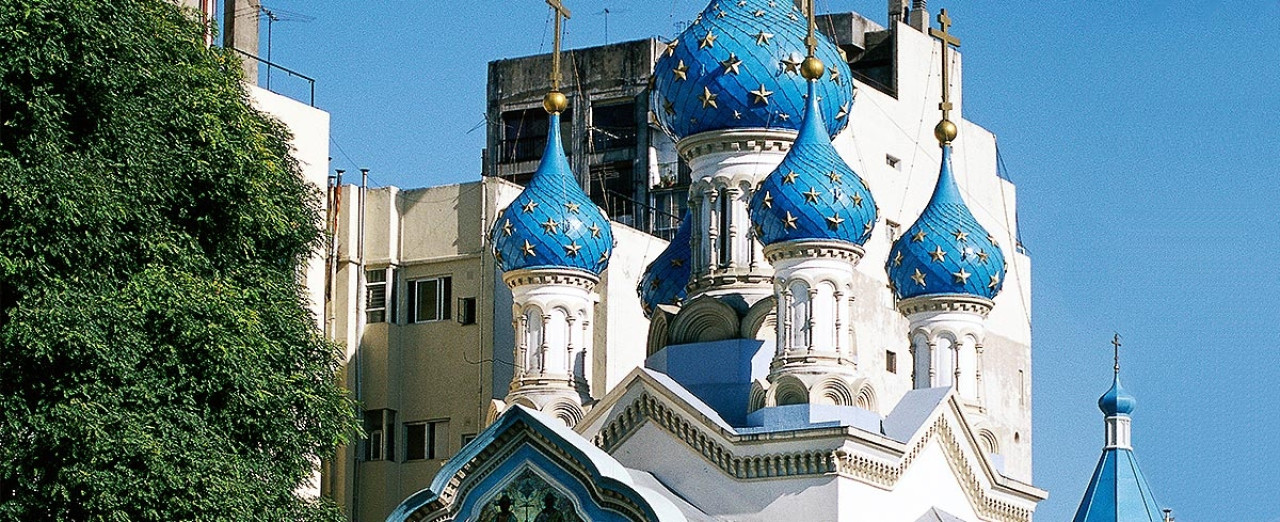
310	81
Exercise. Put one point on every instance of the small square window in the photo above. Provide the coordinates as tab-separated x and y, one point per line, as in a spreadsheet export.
381	441
466	310
893	228
891	361
892	161
430	299
375	287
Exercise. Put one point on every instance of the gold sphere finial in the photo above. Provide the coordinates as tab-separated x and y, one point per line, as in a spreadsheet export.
555	102
812	68
945	132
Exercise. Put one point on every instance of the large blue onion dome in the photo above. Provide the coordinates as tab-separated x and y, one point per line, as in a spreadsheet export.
552	223
946	251
665	279
1116	401
813	194
738	66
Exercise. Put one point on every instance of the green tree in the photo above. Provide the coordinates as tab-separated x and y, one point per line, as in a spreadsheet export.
157	360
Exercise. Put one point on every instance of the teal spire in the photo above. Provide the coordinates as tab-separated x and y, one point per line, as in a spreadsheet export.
1118	491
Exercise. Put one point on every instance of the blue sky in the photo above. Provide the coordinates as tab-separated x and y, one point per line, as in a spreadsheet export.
1144	138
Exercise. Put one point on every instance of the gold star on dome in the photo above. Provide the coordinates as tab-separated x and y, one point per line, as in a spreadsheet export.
982	255
732	64
772	3
497	254
784	116
677	263
834	176
866	228
962	277
707	41
857	200
572	207
709	99
737	115
681	71
811	196
742	3
720	14
791	64
759	13
992	239
762	38
938	254
761	95
918	277
595	230
789	221
572	249
790	177
550	224
835	75
528	207
767	200
960	235
506	227
918	237
897	259
604	256
834	221
653	285
671	47
668	107
793	17
528	249
995	281
844	111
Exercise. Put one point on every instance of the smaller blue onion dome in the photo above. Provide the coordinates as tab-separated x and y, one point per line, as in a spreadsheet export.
552	223
813	194
738	67
946	251
1116	401
665	279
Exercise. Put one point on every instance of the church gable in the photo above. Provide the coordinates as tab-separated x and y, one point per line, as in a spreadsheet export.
528	467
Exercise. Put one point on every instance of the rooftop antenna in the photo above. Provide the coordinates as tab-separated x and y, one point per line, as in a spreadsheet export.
273	16
606	12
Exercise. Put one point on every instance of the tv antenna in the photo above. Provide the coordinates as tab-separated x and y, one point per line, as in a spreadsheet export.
606	12
273	16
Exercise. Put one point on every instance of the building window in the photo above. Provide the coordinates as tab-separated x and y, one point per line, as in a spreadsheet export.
893	228
380	427
425	440
375	292
613	127
466	310
891	361
467	438
430	299
892	161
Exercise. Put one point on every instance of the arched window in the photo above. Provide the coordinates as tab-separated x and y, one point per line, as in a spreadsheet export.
533	339
824	317
798	315
557	341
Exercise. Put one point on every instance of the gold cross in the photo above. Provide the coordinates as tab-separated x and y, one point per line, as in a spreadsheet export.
558	10
948	40
1115	342
811	40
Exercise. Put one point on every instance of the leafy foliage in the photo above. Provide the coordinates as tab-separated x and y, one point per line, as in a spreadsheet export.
157	359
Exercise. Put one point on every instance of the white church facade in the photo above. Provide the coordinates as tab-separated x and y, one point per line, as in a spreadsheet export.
840	330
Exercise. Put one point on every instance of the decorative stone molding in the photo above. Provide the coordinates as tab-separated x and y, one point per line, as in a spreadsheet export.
550	276
813	249
704	319
735	141
861	467
494	454
946	303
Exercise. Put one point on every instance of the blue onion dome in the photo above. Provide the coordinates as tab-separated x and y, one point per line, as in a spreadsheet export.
813	194
946	251
552	223
738	66
1116	401
665	279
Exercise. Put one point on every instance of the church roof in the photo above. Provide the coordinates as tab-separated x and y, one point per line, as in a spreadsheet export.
1118	491
665	279
552	223
738	66
813	194
946	251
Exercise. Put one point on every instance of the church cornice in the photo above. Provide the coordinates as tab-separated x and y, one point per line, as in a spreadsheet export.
550	276
735	141
702	435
